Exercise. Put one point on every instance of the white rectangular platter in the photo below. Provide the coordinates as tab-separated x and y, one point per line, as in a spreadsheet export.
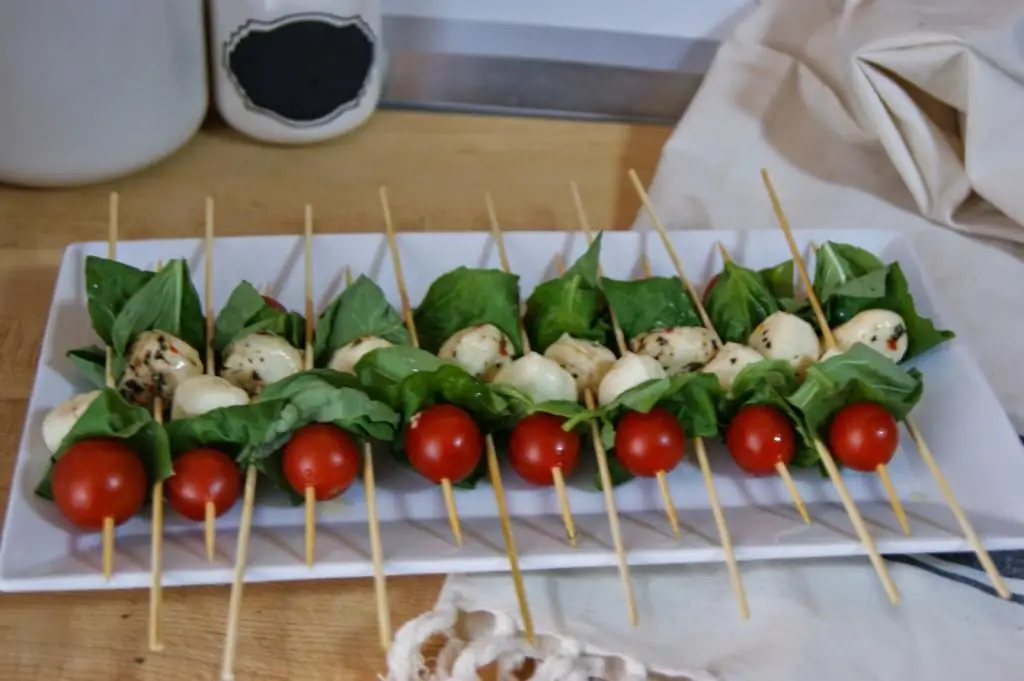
959	414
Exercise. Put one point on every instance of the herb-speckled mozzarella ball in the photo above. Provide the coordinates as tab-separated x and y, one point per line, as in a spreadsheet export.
345	358
200	394
62	418
730	361
880	330
586	361
683	348
258	360
540	378
481	350
629	371
157	364
785	336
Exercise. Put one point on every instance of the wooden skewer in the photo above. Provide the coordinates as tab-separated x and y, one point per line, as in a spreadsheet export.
780	467
156	543
238	582
698	443
609	498
376	551
107	539
826	456
310	492
492	458
209	509
998	583
620	341
410	324
556	471
238	579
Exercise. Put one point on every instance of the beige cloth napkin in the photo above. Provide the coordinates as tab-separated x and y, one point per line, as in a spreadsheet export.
898	114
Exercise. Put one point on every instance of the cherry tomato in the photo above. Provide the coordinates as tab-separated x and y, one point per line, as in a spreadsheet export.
710	285
760	437
273	303
321	456
202	475
647	444
443	443
863	436
539	444
97	479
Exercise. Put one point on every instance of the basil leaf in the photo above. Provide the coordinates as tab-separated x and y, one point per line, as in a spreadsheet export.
359	311
410	380
573	304
885	289
563	408
858	375
109	285
779	279
92	361
643	305
739	300
770	383
230	429
109	416
467	297
838	263
246	312
322	396
167	302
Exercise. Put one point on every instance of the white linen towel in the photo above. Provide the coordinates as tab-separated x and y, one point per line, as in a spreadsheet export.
898	114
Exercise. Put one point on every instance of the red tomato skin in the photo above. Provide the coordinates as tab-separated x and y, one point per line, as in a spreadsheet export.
710	285
443	443
647	444
97	479
863	436
274	303
202	475
538	444
321	456
759	437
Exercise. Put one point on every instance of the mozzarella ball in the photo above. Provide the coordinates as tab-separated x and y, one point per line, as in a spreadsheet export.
258	360
683	348
345	358
586	361
730	361
201	394
785	336
62	418
157	364
540	378
481	350
629	371
880	330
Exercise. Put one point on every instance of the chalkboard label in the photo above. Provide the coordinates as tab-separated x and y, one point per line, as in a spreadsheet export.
303	70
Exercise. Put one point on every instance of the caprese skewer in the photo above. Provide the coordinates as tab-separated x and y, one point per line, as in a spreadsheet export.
443	437
540	450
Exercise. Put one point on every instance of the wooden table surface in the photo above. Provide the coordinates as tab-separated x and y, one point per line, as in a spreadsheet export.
437	168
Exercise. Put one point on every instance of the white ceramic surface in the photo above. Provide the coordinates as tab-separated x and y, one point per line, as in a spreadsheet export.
242	100
959	415
92	90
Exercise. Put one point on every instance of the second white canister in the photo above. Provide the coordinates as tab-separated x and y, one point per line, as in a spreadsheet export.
296	71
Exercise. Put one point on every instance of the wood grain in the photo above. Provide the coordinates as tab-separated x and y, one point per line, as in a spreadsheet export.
437	168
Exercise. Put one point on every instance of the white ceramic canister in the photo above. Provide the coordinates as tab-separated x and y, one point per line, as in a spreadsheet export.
93	90
295	71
